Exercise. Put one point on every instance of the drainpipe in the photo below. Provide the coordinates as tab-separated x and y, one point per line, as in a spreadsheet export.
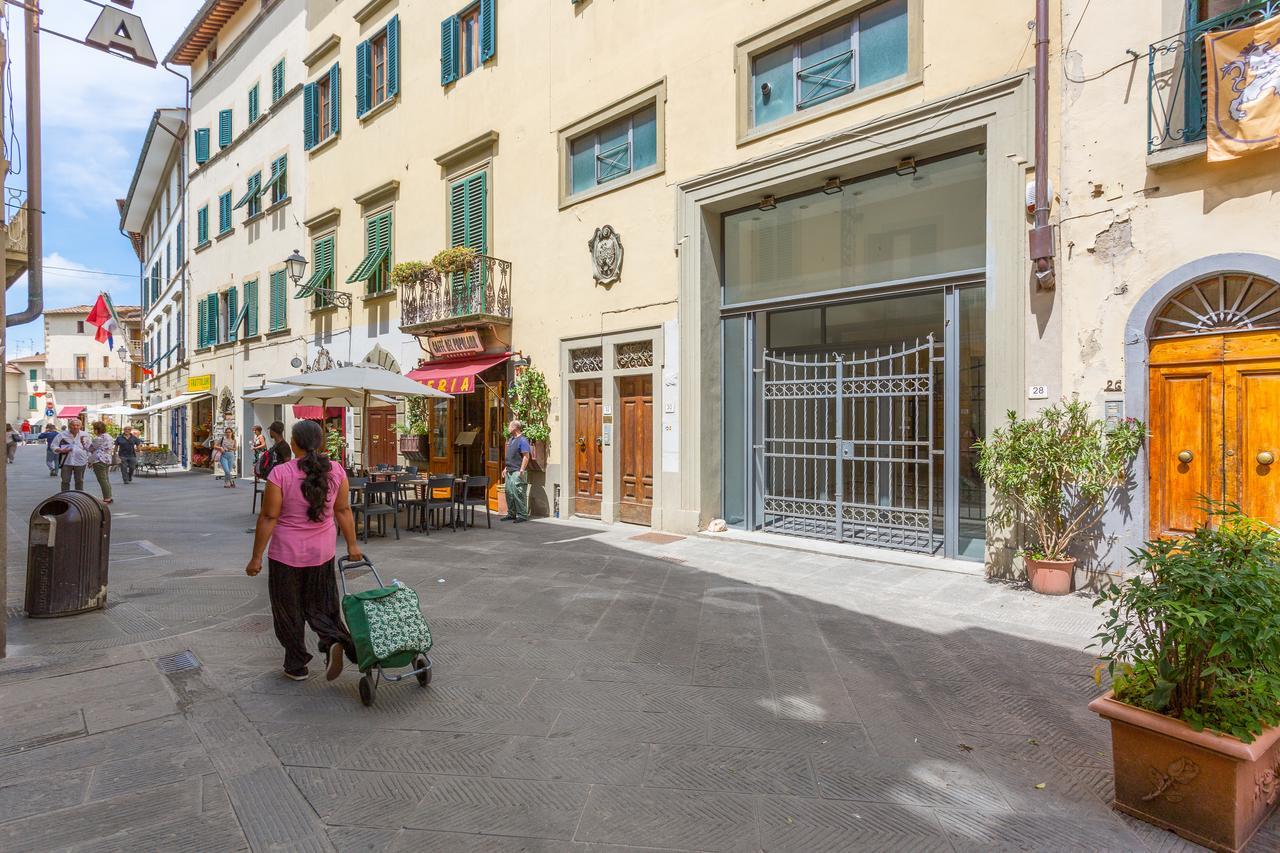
1041	238
35	204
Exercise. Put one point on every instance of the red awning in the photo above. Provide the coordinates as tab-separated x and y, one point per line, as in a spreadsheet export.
317	413
70	411
456	375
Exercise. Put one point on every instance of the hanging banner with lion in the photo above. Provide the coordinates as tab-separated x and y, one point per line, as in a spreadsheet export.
1242	70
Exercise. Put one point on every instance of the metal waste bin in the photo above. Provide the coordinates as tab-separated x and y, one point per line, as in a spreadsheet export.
68	547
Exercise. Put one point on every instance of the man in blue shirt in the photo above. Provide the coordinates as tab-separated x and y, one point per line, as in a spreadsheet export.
517	483
50	458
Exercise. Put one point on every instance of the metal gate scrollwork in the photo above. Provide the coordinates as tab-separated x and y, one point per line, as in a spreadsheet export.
849	445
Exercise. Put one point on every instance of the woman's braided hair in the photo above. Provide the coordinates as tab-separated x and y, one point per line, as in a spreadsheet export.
314	465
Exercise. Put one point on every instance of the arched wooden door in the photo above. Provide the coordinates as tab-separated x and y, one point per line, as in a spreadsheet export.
1214	403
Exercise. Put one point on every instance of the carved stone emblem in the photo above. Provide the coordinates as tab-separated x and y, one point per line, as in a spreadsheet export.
606	255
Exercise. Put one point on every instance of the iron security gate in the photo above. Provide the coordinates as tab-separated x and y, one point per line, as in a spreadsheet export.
848	443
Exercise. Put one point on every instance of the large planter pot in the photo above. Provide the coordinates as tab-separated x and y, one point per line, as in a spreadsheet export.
1209	788
412	444
538	458
1051	577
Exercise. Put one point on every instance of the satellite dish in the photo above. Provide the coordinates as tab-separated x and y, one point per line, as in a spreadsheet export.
295	362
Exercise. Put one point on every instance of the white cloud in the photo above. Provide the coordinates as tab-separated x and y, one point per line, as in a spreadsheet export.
68	282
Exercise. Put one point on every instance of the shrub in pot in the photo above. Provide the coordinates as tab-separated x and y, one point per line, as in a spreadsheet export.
1053	473
412	432
530	403
1192	643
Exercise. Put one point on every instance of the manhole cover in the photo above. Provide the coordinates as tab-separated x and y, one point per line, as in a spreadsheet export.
181	662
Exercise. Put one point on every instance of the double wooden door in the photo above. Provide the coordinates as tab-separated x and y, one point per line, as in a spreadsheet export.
1215	431
588	447
635	437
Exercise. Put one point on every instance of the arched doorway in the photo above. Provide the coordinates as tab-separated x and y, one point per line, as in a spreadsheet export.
1214	397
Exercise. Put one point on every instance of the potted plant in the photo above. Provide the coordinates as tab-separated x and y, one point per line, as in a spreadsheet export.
531	405
1053	473
335	446
455	260
412	432
409	272
1192	642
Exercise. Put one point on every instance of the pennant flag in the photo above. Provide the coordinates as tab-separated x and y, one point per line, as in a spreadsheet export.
103	316
1242	73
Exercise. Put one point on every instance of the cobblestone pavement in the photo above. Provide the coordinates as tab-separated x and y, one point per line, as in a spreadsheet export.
594	689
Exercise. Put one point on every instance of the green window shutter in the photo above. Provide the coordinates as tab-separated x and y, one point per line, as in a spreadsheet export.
393	56
177	237
253	104
477	213
224	128
211	312
310	102
202	225
251	308
233	312
278	304
200	325
31	402
335	100
488	30
277	81
251	192
449	50
224	212
458	214
364	78
202	145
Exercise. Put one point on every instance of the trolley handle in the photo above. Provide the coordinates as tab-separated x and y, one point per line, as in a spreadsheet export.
346	564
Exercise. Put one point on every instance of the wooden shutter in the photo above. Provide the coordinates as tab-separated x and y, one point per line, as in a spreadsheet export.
202	225
251	306
393	56
458	214
277	81
211	317
233	310
364	78
202	145
278	303
224	128
477	213
224	212
488	30
253	104
178	240
309	115
201	332
335	102
449	50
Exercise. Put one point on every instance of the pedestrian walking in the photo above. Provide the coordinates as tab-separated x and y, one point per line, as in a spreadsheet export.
103	451
306	497
75	449
224	453
127	447
51	459
519	452
259	443
25	429
280	449
12	438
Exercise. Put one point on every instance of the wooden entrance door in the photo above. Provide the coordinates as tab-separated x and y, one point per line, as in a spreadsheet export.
635	468
382	438
495	443
1214	432
589	449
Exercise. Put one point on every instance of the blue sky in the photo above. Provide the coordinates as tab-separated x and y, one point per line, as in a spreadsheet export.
96	109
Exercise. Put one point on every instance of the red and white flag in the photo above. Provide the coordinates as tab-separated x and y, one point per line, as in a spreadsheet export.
103	316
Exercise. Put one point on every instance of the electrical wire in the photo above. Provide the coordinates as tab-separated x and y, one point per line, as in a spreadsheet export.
1132	59
1134	56
91	273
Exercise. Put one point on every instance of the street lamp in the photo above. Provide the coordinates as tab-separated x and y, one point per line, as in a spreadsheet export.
297	266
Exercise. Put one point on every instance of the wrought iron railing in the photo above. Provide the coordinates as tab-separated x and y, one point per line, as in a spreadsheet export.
15	218
1177	78
482	290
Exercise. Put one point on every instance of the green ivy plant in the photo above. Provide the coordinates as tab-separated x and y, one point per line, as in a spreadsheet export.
415	417
531	403
1054	472
456	259
1196	634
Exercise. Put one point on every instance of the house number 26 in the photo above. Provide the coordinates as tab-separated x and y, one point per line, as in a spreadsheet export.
1114	385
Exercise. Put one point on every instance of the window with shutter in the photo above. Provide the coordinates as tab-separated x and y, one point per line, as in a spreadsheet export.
253	104
252	196
202	225
202	327
449	50
277	81
202	144
177	238
364	75
310	99
224	212
279	305
320	285
393	56
211	318
233	313
335	100
251	308
488	29
224	128
468	223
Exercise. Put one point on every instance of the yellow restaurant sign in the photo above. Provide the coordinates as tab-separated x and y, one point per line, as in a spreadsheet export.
202	384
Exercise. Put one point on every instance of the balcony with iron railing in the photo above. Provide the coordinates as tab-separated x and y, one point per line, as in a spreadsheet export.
436	302
1177	78
87	374
15	224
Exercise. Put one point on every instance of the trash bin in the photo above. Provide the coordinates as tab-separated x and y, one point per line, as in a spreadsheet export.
68	546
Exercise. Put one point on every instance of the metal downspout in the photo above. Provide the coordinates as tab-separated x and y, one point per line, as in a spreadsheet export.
1041	241
35	203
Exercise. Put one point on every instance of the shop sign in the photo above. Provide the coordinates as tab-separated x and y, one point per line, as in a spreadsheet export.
202	384
453	384
458	343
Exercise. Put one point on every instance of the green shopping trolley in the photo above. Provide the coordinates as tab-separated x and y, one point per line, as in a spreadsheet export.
388	628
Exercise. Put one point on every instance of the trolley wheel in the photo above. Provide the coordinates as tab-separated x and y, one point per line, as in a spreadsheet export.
424	678
366	690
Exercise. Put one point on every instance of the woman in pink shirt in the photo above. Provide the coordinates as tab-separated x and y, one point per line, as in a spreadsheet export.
305	499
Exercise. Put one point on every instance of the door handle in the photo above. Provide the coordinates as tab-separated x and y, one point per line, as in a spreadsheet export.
1266	457
582	442
599	441
1185	456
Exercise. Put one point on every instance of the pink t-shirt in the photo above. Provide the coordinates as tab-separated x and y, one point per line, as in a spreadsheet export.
297	540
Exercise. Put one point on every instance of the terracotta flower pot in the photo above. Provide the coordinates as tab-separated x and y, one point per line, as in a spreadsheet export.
1051	577
1210	788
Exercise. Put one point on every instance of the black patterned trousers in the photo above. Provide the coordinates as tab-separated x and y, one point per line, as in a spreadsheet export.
301	596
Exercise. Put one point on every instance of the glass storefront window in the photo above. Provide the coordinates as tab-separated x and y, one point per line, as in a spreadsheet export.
884	228
440	428
973	421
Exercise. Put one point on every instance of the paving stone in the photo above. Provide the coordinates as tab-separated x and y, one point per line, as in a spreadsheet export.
816	696
671	819
202	834
979	832
153	767
799	825
712	768
77	752
82	824
420	841
760	730
360	839
272	811
427	752
38	730
868	778
567	759
632	727
380	799
500	807
44	793
730	665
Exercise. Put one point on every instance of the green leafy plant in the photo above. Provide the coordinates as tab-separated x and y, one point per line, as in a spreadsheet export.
531	403
1196	634
409	272
415	417
335	445
456	259
1054	472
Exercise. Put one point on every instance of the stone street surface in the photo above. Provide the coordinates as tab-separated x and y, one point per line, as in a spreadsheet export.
594	689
